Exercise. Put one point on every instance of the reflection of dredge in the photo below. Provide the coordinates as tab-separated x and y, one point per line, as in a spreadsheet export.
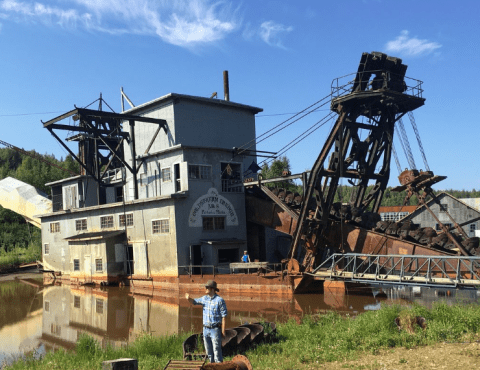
358	148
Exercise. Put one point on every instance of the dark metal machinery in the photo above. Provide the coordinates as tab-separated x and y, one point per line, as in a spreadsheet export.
101	142
371	104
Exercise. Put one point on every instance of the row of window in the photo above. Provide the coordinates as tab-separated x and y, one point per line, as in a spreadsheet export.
393	216
158	226
98	265
105	223
98	304
230	175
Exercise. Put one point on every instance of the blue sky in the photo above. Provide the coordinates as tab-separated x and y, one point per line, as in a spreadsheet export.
281	56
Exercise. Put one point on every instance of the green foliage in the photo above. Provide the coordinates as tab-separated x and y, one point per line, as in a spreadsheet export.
276	169
316	340
332	337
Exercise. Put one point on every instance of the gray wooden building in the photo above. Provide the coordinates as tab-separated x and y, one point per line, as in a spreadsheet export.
186	206
464	214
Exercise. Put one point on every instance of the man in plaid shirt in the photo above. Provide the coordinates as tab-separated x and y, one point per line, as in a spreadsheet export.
214	314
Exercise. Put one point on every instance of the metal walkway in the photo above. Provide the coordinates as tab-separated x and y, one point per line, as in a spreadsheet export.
447	271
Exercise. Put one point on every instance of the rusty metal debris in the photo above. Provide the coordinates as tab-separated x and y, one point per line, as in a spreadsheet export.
239	362
236	340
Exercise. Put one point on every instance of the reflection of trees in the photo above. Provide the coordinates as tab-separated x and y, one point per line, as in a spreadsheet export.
17	300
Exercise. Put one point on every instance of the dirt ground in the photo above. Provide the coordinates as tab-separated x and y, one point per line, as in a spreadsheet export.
440	356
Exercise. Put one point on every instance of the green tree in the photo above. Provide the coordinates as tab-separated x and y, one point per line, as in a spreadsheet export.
276	169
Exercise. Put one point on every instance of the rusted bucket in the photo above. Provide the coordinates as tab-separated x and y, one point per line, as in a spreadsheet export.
243	338
256	332
229	342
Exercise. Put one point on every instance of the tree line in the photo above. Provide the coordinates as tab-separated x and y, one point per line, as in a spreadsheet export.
390	198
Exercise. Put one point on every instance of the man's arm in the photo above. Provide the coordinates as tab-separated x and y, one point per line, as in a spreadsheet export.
223	326
189	298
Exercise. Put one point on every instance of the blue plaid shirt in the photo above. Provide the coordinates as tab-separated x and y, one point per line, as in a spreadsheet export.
214	309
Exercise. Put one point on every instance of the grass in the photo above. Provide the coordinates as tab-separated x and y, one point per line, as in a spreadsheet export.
317	339
12	259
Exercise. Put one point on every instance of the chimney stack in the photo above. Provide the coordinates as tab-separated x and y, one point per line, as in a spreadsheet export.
225	86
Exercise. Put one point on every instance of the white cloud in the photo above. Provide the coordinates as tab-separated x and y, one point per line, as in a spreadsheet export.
271	33
411	46
181	22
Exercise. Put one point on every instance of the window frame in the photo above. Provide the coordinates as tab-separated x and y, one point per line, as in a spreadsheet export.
102	226
76	301
54	227
160	229
128	217
164	171
99	305
82	226
76	264
199	167
227	180
215	226
98	264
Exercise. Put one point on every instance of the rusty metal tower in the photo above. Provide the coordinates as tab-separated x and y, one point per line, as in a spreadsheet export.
358	147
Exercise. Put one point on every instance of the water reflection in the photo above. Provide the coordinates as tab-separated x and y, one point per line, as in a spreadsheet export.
41	318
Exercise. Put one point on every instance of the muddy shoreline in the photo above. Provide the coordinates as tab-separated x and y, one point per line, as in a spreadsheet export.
31	273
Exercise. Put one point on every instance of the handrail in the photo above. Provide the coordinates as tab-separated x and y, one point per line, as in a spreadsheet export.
401	269
226	270
340	86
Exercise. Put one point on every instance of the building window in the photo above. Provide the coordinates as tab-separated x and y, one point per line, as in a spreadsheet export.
128	217
76	301
47	306
231	174
166	174
46	248
201	172
99	306
443	207
98	265
119	194
473	227
55	329
81	224
160	226
76	265
106	222
54	227
214	223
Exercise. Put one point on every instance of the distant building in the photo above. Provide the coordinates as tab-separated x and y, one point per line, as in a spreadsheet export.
472	202
465	215
395	213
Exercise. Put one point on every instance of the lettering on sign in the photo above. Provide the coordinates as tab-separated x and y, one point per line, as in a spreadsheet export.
212	204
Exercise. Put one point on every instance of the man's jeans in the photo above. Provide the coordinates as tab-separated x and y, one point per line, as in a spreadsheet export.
212	339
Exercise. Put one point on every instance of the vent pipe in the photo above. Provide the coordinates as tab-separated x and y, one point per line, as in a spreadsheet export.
226	90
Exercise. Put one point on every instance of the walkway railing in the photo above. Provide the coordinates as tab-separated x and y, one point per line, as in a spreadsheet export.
232	268
401	269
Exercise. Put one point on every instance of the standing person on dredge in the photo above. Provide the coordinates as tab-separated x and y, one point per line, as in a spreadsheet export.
214	315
